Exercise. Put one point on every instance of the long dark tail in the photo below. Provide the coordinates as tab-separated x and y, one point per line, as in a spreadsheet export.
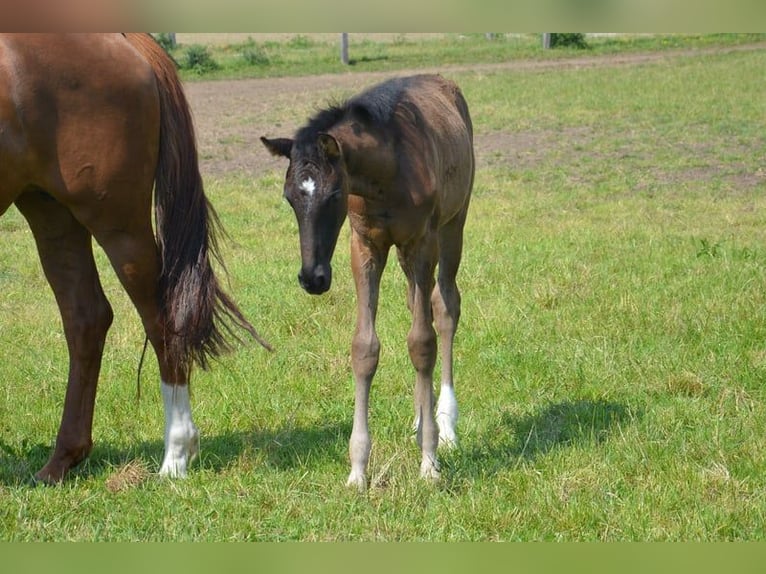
200	316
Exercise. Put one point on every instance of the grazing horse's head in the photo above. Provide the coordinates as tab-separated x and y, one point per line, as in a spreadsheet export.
315	189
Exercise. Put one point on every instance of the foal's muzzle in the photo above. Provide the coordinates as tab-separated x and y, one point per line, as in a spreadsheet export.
316	281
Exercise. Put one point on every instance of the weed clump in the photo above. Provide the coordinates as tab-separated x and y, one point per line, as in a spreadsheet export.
199	59
569	40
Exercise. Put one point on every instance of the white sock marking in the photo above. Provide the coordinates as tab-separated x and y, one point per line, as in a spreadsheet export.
446	416
181	435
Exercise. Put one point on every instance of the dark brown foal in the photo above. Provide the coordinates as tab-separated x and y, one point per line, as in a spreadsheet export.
398	160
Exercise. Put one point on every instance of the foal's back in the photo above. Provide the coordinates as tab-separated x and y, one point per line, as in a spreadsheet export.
436	128
423	164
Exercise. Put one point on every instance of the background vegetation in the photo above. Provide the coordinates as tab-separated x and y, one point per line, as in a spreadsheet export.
610	361
303	54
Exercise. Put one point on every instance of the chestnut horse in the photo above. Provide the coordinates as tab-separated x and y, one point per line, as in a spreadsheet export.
398	159
89	126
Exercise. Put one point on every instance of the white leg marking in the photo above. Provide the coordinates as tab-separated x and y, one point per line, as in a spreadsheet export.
181	436
446	416
359	452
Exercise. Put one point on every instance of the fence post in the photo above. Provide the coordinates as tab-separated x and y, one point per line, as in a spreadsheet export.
546	40
344	48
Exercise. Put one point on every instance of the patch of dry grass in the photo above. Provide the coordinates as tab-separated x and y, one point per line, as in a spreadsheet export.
128	476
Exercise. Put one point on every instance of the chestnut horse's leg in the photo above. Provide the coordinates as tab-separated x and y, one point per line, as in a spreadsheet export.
419	263
367	264
445	302
65	250
132	250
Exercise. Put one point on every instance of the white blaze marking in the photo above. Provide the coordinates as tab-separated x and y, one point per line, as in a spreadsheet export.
308	186
181	435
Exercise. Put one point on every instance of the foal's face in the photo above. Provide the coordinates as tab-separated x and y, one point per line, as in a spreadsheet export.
315	189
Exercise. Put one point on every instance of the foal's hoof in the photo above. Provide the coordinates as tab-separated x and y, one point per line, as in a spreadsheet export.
357	480
447	439
429	470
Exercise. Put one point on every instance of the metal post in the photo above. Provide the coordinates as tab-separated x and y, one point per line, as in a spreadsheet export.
344	48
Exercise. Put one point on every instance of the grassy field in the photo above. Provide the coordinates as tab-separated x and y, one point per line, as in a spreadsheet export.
266	55
610	362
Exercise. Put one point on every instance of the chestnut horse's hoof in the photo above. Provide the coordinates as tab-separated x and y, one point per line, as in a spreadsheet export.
45	478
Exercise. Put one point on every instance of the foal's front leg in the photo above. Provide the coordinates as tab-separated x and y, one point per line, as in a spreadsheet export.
367	265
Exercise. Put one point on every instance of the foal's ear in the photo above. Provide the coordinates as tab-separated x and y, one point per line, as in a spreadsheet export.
329	145
279	146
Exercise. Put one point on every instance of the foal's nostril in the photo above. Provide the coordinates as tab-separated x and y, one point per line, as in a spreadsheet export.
320	281
316	282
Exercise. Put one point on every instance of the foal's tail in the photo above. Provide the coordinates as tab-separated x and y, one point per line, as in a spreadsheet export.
198	313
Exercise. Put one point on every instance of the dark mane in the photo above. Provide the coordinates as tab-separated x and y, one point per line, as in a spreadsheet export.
375	106
322	121
379	102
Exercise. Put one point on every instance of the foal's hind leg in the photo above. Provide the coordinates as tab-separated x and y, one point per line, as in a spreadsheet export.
65	250
445	302
418	263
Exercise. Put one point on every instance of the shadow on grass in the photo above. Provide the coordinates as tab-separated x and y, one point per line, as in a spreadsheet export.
19	463
516	440
366	59
282	449
502	446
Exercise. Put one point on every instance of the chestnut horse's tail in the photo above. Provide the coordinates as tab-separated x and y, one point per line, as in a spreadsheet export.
196	310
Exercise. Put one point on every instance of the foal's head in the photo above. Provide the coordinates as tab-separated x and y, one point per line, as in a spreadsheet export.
315	188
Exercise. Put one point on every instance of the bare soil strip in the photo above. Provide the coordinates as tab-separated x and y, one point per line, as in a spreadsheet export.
230	115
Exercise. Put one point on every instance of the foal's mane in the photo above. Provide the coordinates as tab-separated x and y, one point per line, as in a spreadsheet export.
320	122
375	106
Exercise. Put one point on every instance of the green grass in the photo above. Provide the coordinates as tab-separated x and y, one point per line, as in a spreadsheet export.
303	55
609	364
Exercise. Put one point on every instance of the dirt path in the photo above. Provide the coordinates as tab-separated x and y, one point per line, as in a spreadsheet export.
230	115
